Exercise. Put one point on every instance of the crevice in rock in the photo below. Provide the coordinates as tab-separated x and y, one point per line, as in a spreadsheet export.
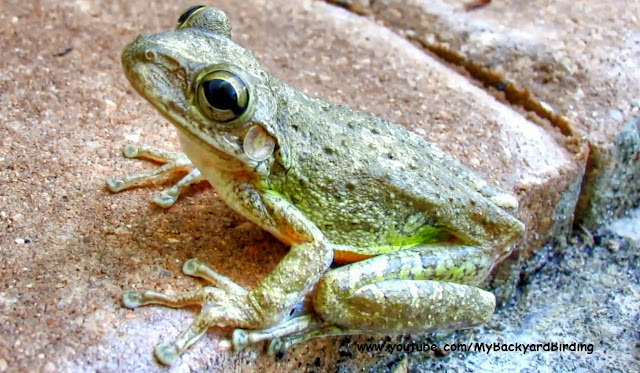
514	94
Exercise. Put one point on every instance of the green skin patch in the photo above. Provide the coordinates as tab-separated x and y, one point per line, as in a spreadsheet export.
423	236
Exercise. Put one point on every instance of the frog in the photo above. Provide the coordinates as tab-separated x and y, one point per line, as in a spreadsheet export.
387	233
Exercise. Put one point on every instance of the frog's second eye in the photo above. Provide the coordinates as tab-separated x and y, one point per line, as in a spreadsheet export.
187	13
222	96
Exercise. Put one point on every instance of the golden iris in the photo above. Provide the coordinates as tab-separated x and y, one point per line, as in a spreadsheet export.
222	96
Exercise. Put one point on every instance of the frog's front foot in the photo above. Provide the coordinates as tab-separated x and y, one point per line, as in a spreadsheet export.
172	162
224	304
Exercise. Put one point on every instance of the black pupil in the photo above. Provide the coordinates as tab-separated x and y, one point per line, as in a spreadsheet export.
222	95
188	13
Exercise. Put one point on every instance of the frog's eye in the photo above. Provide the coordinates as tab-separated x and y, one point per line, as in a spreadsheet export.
223	96
187	13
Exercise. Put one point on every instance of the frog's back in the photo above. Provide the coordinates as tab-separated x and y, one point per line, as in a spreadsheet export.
366	182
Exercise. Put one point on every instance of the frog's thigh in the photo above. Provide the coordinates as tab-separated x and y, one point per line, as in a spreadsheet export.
408	291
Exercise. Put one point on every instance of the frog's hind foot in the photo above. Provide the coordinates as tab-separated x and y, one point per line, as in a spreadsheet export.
173	162
284	335
280	345
242	337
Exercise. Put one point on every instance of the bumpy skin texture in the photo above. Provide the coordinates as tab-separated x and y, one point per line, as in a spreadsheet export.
418	229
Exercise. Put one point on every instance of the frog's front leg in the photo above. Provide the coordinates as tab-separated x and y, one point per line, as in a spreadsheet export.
421	289
172	162
210	298
271	301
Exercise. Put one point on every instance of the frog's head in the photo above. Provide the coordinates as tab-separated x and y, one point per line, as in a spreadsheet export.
210	88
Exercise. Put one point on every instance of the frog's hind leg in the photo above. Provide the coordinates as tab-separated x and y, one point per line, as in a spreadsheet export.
421	289
173	162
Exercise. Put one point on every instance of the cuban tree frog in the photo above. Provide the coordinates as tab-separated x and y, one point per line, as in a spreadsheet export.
415	230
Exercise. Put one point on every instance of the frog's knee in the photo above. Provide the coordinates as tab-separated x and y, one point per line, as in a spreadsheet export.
328	295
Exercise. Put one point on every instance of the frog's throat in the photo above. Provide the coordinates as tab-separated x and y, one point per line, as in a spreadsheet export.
220	146
195	146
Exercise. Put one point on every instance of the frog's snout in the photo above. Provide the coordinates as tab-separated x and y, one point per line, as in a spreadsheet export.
142	49
140	40
147	48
